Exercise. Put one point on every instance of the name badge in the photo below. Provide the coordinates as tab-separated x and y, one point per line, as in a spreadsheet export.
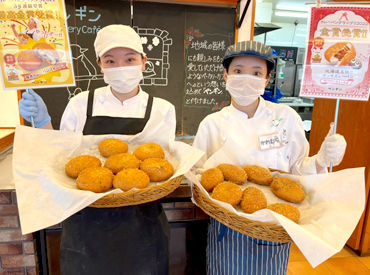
270	141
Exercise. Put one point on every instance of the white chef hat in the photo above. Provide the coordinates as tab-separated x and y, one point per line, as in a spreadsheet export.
37	22
114	36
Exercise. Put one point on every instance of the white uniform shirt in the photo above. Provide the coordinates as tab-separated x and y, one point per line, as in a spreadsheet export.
162	118
230	123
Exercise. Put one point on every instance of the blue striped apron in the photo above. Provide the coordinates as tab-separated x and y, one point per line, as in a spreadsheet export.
232	253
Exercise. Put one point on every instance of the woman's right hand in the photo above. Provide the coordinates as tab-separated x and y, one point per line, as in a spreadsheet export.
32	106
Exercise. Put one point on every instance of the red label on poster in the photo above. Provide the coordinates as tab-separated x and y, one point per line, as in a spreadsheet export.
337	56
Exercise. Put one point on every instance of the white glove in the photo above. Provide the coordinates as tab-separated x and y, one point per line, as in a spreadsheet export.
332	149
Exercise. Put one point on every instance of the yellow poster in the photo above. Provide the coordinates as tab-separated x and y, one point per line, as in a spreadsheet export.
34	44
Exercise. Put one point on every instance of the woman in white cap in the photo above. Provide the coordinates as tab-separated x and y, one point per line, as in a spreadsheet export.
125	240
246	121
31	32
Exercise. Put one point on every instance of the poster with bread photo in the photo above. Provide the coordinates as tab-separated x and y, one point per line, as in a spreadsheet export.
34	44
337	56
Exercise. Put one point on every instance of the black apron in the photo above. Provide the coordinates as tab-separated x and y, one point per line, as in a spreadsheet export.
30	34
131	240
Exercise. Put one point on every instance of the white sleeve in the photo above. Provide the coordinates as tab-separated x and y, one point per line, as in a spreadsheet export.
300	162
170	120
37	35
74	116
161	126
202	142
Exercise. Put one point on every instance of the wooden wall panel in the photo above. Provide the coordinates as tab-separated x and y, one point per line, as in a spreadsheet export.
354	125
6	141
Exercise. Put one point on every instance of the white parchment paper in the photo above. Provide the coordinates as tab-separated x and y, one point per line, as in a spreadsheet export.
45	194
330	212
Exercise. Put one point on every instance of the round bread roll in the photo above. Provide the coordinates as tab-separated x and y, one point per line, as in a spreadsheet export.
258	174
287	189
287	210
74	166
233	173
121	161
95	179
210	178
253	199
341	53
131	178
149	150
228	192
157	169
46	53
111	146
28	60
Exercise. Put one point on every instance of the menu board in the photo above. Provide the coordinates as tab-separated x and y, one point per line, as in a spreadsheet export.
205	46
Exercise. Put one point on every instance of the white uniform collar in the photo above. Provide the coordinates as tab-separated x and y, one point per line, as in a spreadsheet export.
31	31
261	106
109	96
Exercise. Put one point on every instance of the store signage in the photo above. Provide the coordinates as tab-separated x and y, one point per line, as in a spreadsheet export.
337	56
34	44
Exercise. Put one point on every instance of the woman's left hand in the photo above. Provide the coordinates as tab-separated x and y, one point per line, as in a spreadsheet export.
331	151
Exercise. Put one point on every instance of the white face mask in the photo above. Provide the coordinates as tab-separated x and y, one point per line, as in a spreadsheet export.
245	88
123	79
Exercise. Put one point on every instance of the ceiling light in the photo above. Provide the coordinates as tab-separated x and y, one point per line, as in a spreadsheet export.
291	14
304	8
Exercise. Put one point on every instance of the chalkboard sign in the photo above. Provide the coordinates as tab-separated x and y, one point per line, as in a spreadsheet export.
184	45
206	39
161	27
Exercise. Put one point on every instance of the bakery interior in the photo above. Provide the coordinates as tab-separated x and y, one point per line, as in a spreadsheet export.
281	24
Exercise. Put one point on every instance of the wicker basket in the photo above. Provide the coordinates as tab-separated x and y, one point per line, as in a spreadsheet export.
141	196
255	229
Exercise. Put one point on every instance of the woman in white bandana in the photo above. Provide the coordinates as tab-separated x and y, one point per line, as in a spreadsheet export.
246	121
32	31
